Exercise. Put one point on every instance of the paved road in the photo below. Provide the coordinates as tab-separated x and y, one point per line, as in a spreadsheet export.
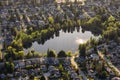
75	64
109	63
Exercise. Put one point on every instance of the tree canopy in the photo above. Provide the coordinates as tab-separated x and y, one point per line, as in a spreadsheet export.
51	19
51	53
82	50
42	78
9	67
62	54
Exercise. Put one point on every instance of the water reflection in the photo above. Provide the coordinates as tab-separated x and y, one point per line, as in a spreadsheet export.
80	41
66	39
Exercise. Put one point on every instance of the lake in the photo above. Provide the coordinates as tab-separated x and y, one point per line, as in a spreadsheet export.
66	41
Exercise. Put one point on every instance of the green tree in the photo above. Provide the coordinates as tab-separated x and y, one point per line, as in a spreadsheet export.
20	55
105	51
11	53
32	53
93	41
94	21
111	19
62	54
1	55
42	78
69	53
14	31
29	55
9	67
65	76
17	44
61	67
51	53
98	67
103	74
51	19
82	50
78	22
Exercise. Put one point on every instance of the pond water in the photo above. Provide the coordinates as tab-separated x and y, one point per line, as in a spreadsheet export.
66	41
